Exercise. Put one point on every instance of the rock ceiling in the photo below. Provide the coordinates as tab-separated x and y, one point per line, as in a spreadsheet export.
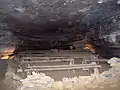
51	23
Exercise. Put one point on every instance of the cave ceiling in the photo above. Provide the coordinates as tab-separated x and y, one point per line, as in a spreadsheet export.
52	22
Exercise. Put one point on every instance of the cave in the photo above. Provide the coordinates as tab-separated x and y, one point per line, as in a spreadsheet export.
35	30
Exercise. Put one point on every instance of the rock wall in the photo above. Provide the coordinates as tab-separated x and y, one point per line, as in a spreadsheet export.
53	23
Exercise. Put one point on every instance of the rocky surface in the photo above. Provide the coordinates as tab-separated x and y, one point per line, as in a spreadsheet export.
58	23
108	79
100	81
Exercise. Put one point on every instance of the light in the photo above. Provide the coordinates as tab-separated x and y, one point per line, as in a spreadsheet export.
6	54
90	47
8	51
5	57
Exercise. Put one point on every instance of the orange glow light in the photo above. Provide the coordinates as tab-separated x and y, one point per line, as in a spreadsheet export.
7	52
90	47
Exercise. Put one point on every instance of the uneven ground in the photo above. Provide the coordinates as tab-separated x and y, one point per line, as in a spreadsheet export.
12	84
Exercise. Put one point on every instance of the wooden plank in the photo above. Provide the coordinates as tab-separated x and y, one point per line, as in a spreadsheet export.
63	66
67	68
99	60
43	61
46	58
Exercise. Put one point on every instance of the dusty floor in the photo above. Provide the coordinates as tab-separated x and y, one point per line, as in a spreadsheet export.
12	84
81	83
58	75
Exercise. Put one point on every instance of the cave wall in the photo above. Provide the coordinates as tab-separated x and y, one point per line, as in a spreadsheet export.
52	23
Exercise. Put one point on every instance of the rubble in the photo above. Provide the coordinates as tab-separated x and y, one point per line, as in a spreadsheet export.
107	79
114	62
39	80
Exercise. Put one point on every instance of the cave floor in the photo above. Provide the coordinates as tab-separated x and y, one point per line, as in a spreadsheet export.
12	84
